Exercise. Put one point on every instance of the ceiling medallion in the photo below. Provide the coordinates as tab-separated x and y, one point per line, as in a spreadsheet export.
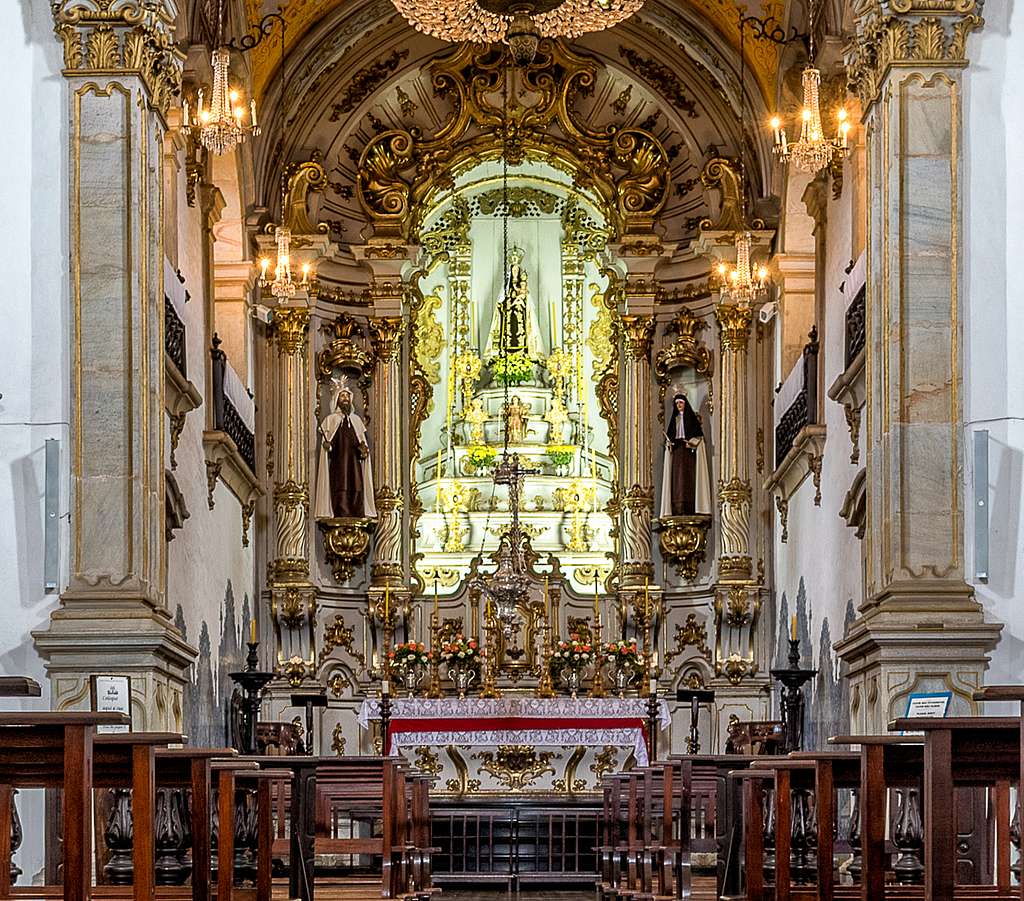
518	23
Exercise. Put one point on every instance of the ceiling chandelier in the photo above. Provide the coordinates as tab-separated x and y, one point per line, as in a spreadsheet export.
742	284
813	151
221	125
519	23
282	286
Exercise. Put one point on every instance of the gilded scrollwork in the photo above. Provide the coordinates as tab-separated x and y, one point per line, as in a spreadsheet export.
302	179
516	766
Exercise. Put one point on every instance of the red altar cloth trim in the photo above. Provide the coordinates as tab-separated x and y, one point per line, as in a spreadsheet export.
510	723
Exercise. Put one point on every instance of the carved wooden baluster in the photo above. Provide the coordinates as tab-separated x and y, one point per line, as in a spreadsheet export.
856	865
170	837
214	831
908	836
769	834
245	835
803	837
118	838
184	797
17	835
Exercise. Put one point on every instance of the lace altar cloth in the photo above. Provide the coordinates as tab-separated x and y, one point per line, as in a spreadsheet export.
516	720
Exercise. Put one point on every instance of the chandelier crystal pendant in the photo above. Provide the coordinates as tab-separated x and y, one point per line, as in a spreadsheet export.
742	284
282	286
518	23
813	151
221	125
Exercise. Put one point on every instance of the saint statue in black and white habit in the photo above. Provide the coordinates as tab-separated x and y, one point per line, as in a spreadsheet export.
344	482
686	483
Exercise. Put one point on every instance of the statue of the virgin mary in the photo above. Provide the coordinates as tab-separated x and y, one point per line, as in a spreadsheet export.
514	326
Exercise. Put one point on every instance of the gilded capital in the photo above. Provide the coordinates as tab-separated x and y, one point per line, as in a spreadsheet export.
291	325
914	34
386	337
106	37
734	326
637	332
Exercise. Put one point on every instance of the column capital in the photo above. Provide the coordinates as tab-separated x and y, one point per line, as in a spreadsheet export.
108	37
637	333
386	337
291	325
734	326
907	34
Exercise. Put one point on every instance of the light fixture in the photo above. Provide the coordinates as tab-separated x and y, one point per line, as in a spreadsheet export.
813	151
283	286
221	125
519	23
742	284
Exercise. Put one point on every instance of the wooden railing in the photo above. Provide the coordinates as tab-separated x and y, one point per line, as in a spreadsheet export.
803	410
174	337
855	334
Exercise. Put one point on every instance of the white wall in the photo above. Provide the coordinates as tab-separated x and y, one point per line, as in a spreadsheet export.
33	343
994	316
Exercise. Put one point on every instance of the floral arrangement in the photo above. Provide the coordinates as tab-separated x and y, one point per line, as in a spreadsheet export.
624	653
560	454
481	456
410	653
572	654
512	369
460	650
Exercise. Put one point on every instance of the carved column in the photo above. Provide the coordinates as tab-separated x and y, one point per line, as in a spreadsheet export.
388	458
919	618
122	71
292	596
734	440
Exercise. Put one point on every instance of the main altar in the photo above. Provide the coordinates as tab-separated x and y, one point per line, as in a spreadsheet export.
497	746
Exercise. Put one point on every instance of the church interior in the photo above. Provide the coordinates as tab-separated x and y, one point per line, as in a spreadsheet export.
556	449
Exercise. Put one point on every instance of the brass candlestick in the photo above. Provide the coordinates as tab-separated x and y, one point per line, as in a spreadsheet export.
597	680
644	620
489	688
545	687
434	691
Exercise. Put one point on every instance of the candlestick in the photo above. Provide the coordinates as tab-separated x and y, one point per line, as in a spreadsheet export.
597	613
792	623
252	631
387	603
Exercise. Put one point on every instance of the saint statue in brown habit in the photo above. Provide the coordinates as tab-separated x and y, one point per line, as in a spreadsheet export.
344	485
686	483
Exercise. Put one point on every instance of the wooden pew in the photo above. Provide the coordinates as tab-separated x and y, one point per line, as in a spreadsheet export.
19	687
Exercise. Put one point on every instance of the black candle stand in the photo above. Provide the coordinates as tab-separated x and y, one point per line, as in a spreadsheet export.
694	697
252	682
792	679
307	700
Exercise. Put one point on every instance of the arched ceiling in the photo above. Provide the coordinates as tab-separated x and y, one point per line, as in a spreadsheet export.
356	68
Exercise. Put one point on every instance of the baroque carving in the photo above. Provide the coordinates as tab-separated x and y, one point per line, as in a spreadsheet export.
366	81
121	36
883	41
291	325
637	332
346	544
725	175
665	81
429	337
683	541
386	338
399	169
302	178
691	634
516	766
734	326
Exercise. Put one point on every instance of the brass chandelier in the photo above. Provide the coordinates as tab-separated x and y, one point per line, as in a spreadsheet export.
221	125
283	285
518	23
742	284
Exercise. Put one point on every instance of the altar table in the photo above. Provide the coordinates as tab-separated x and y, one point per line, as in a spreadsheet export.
574	731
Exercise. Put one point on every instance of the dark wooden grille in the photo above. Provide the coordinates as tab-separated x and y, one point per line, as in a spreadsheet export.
804	408
174	337
225	417
855	333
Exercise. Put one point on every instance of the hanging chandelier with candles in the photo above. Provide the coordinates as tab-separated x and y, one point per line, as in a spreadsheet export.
812	152
282	286
519	23
743	284
221	125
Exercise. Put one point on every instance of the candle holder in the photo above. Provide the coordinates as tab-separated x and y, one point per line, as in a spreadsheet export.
434	690
695	697
545	685
252	682
792	679
489	688
597	680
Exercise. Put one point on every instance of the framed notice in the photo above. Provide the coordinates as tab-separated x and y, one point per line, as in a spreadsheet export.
111	694
931	704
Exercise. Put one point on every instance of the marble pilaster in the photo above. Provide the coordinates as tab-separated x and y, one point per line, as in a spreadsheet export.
919	626
121	69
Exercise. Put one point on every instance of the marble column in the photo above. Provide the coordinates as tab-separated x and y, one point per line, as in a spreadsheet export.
122	71
919	627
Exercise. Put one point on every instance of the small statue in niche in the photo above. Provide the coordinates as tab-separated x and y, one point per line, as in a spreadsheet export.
517	416
686	488
344	484
514	327
475	416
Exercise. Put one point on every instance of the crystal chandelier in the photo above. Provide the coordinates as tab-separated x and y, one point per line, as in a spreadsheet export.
813	151
742	284
282	286
221	125
519	23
